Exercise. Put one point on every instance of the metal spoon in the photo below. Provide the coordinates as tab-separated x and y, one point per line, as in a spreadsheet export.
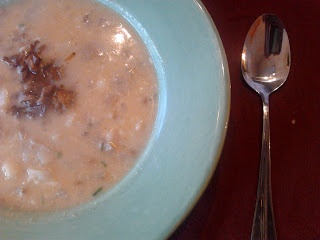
265	65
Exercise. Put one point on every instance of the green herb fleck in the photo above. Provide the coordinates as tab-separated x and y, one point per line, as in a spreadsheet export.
59	154
101	146
97	191
21	27
104	163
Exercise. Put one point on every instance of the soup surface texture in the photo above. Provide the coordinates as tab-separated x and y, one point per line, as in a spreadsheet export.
78	101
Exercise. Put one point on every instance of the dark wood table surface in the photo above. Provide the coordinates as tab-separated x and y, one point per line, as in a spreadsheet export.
225	210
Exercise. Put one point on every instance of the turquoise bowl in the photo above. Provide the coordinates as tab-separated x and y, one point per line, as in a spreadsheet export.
177	164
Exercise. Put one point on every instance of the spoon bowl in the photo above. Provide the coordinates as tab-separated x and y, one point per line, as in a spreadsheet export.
265	60
265	65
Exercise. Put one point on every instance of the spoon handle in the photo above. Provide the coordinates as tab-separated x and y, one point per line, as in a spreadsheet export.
263	227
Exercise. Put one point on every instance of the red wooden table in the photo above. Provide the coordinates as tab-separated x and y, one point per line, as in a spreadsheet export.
225	211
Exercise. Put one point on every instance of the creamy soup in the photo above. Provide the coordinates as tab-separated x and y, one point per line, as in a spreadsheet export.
78	100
